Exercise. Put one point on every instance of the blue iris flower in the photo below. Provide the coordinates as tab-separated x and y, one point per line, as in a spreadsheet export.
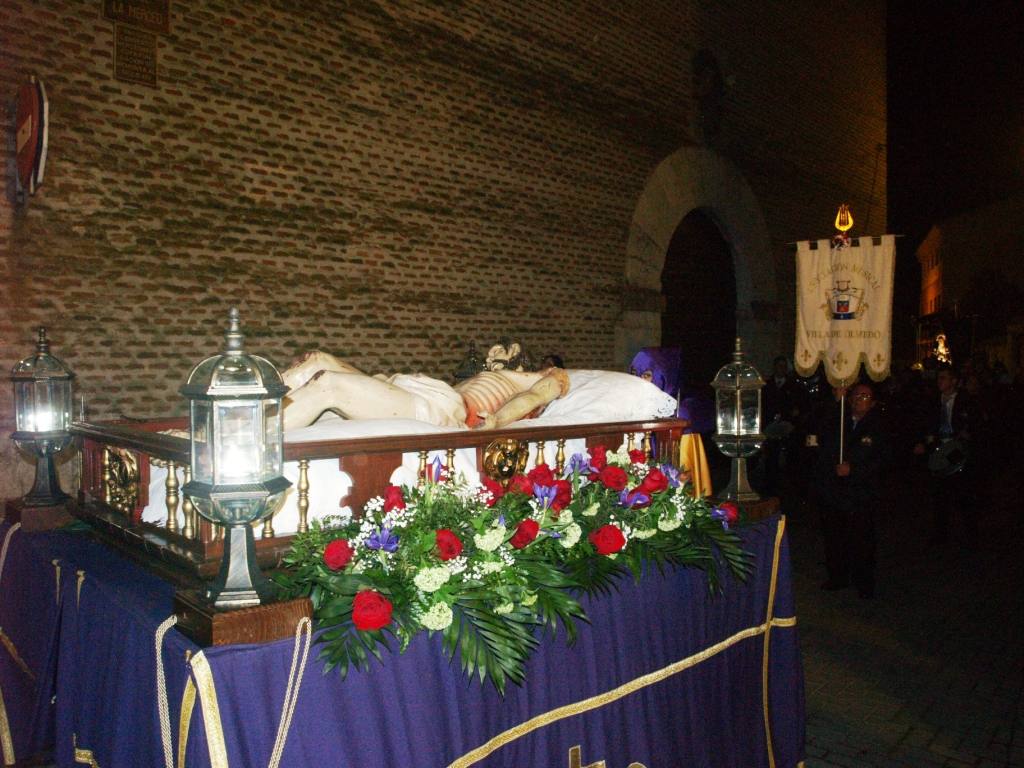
671	473
434	470
720	515
633	498
544	494
579	463
382	539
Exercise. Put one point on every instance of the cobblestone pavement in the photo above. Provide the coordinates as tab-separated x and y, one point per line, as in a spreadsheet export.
929	672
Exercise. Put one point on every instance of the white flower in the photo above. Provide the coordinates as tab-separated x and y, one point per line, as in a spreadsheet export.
438	617
591	510
491	566
619	458
644	534
565	516
570	536
431	579
530	599
491	540
504	608
457	565
669	523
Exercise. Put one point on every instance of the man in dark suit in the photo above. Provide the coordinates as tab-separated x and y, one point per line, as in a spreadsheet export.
851	490
783	400
951	431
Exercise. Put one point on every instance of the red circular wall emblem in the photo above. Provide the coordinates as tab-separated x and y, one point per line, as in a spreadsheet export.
30	134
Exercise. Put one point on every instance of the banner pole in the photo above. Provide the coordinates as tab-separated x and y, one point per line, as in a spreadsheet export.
842	424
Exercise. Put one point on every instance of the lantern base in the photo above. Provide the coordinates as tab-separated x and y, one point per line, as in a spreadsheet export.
36	517
739	486
239	584
208	625
46	490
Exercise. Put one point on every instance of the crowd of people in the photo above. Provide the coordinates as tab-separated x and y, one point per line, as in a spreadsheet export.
936	427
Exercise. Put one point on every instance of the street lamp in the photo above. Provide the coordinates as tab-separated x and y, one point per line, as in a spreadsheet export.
42	408
237	448
738	416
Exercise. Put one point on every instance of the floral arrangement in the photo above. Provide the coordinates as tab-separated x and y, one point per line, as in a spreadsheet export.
486	565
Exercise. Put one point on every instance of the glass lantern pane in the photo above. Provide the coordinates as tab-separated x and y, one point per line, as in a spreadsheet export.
751	423
202	451
45	418
274	447
24	409
63	397
726	408
239	448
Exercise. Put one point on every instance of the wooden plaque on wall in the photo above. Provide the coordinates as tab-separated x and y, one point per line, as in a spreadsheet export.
134	55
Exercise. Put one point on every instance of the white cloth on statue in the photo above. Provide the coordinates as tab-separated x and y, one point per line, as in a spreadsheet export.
844	308
436	402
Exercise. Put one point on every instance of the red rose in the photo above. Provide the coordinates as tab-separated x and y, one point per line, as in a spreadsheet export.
607	539
637	456
370	610
337	554
598	457
496	491
732	512
655	482
393	498
541	475
448	545
563	495
520	484
613	478
526	532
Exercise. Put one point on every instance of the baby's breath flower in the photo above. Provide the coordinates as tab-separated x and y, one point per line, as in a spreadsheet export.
457	565
431	579
644	534
491	566
570	536
437	617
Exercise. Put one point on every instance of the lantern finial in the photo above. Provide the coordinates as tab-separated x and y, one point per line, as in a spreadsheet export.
43	345
234	337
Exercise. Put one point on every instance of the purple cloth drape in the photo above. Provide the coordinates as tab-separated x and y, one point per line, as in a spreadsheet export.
415	709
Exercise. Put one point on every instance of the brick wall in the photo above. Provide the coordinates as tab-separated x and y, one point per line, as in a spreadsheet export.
390	180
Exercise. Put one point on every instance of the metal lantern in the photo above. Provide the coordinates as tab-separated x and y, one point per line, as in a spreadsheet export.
237	448
738	415
42	407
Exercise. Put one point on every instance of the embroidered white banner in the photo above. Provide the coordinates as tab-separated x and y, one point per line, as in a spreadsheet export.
844	308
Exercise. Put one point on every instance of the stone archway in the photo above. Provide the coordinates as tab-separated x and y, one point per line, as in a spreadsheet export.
698	178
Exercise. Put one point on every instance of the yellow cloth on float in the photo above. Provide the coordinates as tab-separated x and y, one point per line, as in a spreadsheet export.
693	460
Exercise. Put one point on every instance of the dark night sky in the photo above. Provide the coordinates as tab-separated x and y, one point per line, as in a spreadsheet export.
956	118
